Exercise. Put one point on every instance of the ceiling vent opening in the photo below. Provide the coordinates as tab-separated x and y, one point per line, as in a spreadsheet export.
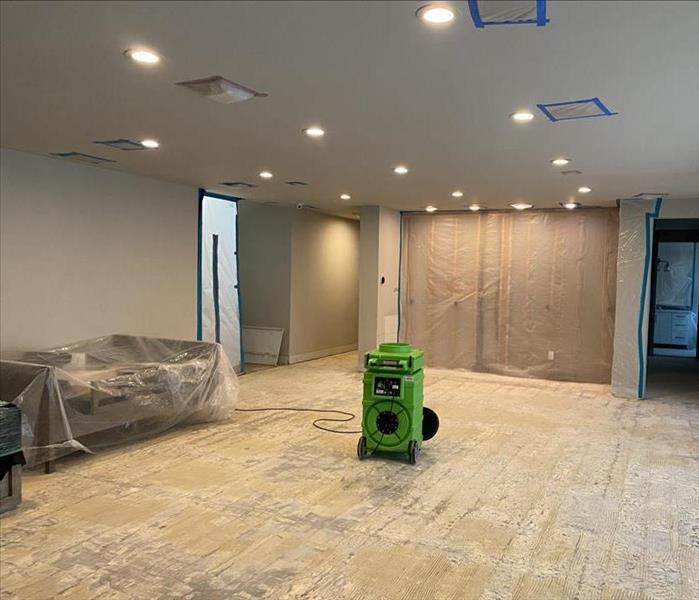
238	184
575	109
271	203
295	183
307	207
486	13
122	144
571	172
220	89
650	195
88	159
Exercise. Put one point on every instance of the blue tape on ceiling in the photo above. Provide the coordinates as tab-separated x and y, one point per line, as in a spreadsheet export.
594	106
480	22
644	290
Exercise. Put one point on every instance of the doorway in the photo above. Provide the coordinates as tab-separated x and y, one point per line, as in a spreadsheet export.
218	290
673	361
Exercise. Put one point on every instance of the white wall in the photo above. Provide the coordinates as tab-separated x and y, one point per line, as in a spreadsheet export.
324	285
86	252
631	350
380	254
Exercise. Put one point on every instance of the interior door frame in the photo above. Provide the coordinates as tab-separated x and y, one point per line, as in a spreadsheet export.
664	236
200	251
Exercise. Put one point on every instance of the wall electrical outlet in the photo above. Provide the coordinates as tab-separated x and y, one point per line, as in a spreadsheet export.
552	354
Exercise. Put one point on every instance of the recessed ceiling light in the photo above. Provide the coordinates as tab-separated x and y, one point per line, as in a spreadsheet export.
523	116
345	197
150	143
400	170
457	194
521	205
430	208
143	56
584	189
474	207
560	162
266	175
314	132
435	14
570	205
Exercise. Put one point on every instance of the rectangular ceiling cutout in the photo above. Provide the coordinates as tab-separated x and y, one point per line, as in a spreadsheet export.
238	184
122	144
83	158
575	109
507	12
220	89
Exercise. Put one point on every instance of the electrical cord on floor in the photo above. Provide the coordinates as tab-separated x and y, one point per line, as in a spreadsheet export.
349	416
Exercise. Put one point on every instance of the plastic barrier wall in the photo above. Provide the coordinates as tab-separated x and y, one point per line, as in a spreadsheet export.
524	294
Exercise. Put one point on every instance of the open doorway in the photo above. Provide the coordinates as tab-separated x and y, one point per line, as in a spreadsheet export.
673	361
218	292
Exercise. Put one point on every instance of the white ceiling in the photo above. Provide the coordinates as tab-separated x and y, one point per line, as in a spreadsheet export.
387	89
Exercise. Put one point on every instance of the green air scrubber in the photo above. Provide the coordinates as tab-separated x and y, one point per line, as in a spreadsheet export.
393	417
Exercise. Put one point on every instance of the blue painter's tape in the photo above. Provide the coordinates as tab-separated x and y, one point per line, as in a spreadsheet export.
200	251
603	110
539	21
400	270
649	216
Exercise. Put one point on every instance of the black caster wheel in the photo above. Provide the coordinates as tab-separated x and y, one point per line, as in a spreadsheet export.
412	452
361	448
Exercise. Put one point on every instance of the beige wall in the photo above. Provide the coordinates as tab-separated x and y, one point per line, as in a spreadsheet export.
264	242
324	285
87	252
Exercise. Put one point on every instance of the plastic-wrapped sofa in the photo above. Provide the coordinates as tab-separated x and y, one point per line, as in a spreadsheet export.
114	389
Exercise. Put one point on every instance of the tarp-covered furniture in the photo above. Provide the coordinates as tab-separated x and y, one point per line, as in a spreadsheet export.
114	389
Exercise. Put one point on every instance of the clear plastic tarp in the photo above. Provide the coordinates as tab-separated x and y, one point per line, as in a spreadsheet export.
523	294
115	389
220	310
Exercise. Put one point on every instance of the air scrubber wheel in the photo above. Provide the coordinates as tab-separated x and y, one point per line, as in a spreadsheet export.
430	423
361	448
412	452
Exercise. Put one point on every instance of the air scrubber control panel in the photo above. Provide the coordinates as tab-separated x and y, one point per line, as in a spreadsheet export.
387	386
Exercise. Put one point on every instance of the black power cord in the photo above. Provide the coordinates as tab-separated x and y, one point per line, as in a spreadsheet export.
348	416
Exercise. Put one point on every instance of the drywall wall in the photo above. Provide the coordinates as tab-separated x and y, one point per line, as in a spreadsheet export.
379	277
264	244
324	285
86	251
636	218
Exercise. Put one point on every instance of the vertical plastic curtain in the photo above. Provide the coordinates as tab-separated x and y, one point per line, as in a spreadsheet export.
522	294
219	302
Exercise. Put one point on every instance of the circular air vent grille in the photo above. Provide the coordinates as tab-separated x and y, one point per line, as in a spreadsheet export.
387	423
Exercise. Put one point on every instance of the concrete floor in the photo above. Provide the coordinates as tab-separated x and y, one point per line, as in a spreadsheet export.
531	490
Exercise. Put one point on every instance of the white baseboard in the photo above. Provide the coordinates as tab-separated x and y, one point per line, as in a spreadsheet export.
297	358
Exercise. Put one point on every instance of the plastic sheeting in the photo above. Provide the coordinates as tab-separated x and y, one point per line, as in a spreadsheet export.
507	12
523	294
111	390
675	275
220	310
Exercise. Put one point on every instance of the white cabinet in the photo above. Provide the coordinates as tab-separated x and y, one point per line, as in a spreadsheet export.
672	327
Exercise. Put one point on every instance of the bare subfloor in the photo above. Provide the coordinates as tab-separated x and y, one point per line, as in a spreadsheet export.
531	490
